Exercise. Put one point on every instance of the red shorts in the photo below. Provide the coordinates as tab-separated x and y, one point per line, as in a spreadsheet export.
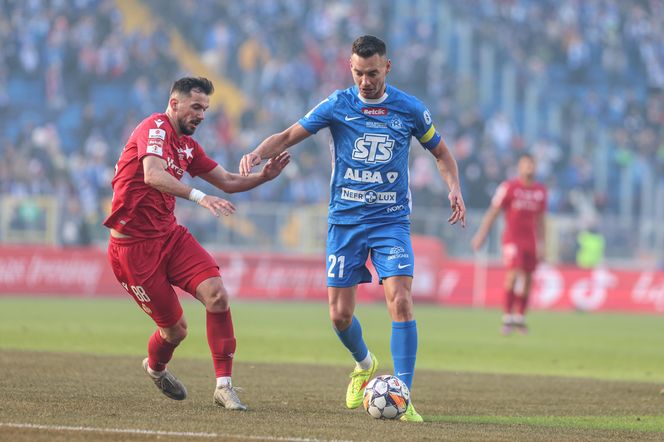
149	268
520	257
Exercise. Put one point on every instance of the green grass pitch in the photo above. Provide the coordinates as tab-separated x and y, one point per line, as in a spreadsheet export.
587	376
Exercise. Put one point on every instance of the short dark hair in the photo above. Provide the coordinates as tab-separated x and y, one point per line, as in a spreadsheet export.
527	156
368	45
187	84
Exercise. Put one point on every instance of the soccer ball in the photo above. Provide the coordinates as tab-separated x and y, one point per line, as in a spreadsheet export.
386	397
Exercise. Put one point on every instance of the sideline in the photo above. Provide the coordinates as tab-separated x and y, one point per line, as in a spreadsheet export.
154	432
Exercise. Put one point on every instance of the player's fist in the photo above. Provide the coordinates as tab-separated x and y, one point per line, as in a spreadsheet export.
275	165
217	206
248	161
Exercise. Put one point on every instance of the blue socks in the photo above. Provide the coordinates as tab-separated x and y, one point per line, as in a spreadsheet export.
404	350
403	346
352	339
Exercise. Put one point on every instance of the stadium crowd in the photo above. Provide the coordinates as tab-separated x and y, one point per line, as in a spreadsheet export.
73	82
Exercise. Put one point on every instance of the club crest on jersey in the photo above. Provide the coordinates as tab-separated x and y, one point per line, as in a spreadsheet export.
373	148
374	111
396	123
186	152
363	176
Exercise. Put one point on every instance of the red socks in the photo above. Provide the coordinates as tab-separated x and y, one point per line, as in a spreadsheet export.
160	351
521	304
221	339
510	299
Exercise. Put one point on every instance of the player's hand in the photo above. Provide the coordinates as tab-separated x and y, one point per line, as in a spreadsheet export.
248	161
275	165
476	242
458	208
217	206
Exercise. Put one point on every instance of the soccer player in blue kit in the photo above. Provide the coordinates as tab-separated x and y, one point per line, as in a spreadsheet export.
371	124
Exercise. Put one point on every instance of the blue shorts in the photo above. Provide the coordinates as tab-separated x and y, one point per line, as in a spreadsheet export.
348	247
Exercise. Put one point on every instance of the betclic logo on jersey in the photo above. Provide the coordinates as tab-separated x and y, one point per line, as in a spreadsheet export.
374	111
373	148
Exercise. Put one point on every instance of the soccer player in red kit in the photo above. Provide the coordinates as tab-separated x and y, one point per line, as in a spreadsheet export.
524	202
150	252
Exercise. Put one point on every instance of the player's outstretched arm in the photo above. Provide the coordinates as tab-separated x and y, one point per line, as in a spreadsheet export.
541	237
155	175
234	182
272	146
487	221
449	171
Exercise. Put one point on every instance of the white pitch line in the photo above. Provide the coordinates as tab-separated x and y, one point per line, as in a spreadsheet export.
154	432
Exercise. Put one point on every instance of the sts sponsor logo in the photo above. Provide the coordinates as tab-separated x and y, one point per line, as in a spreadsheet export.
373	148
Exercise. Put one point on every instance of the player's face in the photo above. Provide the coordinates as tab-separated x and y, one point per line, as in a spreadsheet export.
526	168
190	111
369	74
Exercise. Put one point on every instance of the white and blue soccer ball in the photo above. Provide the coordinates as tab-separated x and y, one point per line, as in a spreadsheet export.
386	397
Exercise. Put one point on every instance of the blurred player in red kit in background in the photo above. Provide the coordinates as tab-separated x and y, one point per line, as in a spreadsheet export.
150	252
524	202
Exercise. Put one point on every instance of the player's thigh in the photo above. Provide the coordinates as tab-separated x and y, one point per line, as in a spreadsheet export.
510	256
391	249
189	264
138	268
346	255
528	259
521	257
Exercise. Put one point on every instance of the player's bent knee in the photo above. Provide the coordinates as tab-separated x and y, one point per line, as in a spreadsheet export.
213	295
217	302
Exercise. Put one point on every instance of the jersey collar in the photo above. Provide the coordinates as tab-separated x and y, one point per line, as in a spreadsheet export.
371	100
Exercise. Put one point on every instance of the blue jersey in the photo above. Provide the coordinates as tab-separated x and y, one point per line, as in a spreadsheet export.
370	150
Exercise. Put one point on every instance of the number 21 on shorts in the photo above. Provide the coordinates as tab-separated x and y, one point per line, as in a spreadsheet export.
336	265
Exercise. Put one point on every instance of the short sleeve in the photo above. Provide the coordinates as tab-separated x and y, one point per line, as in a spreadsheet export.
201	163
423	128
150	139
320	116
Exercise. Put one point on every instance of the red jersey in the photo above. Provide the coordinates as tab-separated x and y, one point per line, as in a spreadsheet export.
139	210
523	205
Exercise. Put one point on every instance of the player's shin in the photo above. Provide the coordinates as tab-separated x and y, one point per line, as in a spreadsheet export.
522	304
221	339
160	352
352	339
403	345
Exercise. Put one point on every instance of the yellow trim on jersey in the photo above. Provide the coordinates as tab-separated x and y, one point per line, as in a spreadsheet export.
428	135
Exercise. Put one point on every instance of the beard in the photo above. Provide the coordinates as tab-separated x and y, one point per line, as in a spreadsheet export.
185	128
